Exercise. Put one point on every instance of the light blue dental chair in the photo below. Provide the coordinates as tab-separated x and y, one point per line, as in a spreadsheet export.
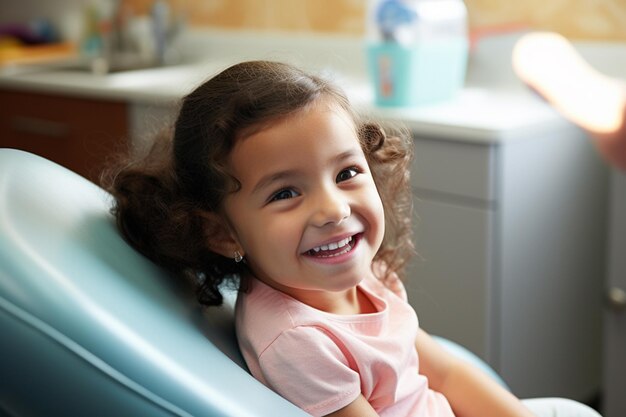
89	327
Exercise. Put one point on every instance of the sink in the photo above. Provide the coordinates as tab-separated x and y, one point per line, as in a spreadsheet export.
169	81
161	77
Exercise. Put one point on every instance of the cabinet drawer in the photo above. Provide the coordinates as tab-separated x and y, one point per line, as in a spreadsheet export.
454	168
77	133
450	282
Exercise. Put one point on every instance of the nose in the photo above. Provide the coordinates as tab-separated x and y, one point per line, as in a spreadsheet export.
331	206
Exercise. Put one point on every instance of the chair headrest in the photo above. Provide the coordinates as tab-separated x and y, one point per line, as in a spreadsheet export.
66	272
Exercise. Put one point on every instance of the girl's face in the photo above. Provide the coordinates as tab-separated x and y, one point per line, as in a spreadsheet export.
308	215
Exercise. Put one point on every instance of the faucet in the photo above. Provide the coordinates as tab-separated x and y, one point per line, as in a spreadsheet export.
118	39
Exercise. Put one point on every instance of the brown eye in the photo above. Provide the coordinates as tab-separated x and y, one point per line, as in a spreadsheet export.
346	174
283	195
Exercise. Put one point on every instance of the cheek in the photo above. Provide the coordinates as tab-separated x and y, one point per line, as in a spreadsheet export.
377	213
376	204
273	235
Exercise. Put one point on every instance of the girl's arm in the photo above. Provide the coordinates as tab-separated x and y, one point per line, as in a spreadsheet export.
357	408
470	392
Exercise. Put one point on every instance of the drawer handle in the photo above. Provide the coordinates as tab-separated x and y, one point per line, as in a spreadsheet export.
616	299
40	127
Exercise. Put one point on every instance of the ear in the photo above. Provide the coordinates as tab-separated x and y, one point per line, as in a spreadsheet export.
219	236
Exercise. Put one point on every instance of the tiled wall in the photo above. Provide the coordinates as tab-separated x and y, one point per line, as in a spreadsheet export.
577	19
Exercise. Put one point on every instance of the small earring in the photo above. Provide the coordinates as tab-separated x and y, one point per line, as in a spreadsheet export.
238	257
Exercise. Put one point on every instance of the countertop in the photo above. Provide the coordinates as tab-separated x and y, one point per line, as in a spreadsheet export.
493	106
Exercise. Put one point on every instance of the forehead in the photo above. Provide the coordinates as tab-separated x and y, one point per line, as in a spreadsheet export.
312	134
323	118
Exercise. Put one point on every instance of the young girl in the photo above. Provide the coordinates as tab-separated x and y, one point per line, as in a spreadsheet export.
270	181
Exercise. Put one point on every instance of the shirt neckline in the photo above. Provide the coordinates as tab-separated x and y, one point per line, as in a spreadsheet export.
379	303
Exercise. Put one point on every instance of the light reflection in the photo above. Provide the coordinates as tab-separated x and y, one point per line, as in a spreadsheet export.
548	63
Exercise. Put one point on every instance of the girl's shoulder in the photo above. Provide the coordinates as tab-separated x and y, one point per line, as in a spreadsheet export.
381	286
261	303
262	309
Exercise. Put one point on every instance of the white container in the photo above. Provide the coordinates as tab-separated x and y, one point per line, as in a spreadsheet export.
417	50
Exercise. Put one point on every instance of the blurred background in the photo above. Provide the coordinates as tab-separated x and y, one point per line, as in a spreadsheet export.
577	19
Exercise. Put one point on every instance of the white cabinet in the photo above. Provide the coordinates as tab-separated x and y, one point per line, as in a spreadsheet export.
450	282
511	239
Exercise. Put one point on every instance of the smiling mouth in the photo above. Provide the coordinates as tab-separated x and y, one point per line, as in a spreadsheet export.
334	249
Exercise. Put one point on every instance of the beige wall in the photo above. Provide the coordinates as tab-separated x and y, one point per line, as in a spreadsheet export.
577	19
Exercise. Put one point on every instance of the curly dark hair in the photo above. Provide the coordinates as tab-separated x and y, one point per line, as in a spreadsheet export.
163	199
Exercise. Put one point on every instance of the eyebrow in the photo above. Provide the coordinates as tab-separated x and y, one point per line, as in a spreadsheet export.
269	179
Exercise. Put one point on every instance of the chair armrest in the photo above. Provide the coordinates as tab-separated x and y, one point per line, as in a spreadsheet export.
463	353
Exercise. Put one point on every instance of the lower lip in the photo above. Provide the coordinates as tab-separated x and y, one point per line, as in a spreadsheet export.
338	259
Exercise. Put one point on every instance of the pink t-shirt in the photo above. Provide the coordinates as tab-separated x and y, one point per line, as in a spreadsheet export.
321	362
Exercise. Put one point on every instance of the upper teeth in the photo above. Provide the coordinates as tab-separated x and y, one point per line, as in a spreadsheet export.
334	245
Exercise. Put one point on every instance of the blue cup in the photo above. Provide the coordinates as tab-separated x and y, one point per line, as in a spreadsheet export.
419	74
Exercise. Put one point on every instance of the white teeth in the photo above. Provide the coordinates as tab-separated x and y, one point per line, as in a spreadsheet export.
334	245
